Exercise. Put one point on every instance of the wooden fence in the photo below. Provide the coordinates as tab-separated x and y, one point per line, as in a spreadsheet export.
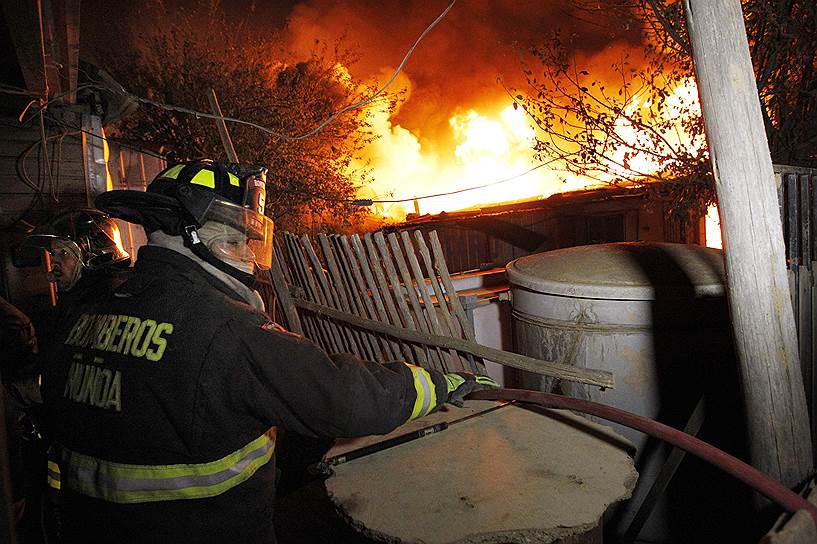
380	279
798	209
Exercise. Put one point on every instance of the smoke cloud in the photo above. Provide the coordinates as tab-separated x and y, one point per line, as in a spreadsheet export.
457	65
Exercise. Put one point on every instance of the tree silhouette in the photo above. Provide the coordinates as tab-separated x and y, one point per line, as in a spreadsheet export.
254	81
635	121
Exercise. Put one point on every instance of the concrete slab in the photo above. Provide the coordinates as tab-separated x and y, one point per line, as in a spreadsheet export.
510	475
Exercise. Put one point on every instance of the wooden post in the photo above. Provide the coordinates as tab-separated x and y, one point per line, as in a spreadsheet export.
757	287
222	127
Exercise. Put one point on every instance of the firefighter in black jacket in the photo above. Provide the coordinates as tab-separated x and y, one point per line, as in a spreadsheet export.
86	255
166	392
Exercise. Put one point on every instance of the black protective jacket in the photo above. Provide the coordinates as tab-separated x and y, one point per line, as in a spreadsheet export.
164	395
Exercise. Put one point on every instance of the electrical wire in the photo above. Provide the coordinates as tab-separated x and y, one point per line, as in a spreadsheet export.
312	131
369	202
113	139
11	89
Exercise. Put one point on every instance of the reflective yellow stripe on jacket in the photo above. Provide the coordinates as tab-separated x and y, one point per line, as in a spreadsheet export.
53	475
426	398
124	483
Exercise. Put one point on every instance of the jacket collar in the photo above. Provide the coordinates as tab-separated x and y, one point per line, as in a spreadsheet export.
151	256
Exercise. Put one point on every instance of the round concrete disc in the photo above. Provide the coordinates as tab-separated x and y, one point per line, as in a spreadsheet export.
510	475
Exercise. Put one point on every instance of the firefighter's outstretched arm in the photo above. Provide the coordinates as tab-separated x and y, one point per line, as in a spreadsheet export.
316	394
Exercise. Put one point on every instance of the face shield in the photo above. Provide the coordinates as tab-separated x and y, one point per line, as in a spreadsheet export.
93	241
238	234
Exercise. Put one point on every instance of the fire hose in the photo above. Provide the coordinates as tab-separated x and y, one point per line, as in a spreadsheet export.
757	480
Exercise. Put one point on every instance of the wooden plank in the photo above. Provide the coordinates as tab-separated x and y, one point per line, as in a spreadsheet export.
670	466
342	332
424	298
435	357
806	219
359	345
366	268
793	218
451	324
23	24
805	286
281	288
451	360
284	263
322	336
442	270
223	133
754	252
316	325
381	345
308	321
329	327
355	304
405	315
599	378
812	385
386	293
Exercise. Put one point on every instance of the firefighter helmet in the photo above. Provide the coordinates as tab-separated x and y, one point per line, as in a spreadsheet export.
86	235
222	202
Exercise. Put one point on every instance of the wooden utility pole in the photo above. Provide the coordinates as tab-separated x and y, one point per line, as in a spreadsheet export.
758	290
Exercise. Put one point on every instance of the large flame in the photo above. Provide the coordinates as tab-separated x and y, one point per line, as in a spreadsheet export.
491	146
485	148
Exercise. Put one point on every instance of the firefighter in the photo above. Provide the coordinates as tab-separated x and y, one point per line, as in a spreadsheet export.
84	245
167	392
85	253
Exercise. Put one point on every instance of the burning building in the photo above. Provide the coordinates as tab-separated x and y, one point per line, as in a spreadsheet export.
492	236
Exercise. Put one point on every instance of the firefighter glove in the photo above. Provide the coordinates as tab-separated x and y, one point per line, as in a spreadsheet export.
461	384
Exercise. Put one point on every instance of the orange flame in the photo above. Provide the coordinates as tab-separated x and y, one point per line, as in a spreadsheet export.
484	147
713	228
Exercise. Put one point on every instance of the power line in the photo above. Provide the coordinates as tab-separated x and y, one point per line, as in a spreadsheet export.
317	128
369	202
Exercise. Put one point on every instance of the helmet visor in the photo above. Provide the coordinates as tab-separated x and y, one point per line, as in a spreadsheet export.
97	241
247	239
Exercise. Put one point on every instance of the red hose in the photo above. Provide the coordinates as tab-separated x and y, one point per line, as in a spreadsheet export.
760	482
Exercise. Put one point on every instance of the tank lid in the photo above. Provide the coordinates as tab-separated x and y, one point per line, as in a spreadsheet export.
623	271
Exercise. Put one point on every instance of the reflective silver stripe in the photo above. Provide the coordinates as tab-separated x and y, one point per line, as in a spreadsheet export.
426	397
125	483
422	377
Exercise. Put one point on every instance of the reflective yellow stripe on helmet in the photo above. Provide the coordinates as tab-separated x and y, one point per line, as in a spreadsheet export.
204	177
53	475
233	179
426	398
125	483
173	171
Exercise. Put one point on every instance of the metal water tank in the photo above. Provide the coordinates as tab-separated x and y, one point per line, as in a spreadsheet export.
654	314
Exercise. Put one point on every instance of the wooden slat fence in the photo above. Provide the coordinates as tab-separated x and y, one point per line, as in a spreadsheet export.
401	280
